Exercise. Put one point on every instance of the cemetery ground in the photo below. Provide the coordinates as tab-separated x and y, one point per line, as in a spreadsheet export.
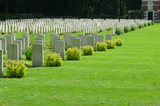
122	76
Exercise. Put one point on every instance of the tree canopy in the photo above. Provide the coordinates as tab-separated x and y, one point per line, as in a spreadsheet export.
76	8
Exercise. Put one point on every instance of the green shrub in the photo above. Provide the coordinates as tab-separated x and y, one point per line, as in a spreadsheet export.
133	28
118	42
15	69
149	23
126	29
152	23
28	53
73	54
119	31
100	46
145	25
54	59
141	26
87	50
110	44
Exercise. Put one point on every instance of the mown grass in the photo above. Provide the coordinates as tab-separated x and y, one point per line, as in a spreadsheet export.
124	76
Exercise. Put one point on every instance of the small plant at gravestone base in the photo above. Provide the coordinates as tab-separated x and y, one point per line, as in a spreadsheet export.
119	31
110	44
118	42
53	60
66	47
133	28
100	46
109	29
28	53
149	23
126	29
152	23
145	25
100	31
141	26
5	62
87	50
15	69
73	54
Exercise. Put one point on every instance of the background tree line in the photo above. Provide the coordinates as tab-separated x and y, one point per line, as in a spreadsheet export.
72	8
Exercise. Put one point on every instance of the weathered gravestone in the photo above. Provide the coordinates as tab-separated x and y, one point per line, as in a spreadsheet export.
39	41
26	36
9	40
60	48
0	35
19	42
4	44
113	31
54	41
13	52
40	36
83	39
52	36
37	55
0	45
108	37
99	38
76	43
1	63
23	44
91	41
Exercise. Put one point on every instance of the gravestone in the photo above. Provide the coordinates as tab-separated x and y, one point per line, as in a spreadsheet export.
0	45
108	37
39	41
13	52
113	31
23	44
4	45
99	38
0	35
9	40
26	36
19	42
60	48
39	36
37	55
54	41
91	41
1	63
83	39
52	36
76	43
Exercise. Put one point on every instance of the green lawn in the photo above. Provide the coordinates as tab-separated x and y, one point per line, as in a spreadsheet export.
126	75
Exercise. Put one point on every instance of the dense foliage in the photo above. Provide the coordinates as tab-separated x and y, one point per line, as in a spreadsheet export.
87	50
54	59
73	54
15	69
77	8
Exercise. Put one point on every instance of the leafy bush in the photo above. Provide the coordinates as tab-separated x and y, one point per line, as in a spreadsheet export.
87	50
100	46
110	44
126	29
54	59
152	23
119	31
15	69
73	54
133	28
28	53
118	42
149	23
141	26
145	25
